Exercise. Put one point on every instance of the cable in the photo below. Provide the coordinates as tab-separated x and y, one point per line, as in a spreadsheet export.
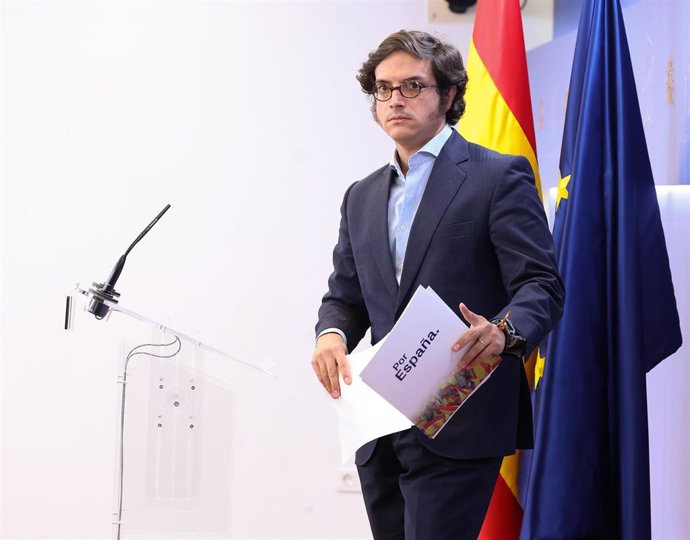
136	351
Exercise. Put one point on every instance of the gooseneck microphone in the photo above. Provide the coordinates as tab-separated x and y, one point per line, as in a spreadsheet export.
100	292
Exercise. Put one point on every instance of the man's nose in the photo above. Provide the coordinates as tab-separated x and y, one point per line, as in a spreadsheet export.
397	99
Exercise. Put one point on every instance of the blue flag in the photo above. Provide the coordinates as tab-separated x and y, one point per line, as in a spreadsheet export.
590	468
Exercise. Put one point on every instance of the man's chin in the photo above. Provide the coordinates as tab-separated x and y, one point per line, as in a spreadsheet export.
400	132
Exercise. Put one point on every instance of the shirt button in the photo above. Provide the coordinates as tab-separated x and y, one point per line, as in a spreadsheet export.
403	228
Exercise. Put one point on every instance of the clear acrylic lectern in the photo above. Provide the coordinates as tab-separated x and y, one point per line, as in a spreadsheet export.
178	388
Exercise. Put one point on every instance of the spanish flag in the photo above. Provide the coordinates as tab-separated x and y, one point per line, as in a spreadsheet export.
499	116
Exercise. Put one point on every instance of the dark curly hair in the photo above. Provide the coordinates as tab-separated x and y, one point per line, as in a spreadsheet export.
446	63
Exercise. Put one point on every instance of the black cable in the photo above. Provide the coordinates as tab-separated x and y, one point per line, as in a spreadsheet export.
131	354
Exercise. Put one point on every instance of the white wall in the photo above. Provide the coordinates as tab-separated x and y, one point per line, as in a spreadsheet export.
246	117
668	399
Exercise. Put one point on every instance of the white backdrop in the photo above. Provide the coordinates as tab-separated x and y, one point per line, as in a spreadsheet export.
246	117
668	386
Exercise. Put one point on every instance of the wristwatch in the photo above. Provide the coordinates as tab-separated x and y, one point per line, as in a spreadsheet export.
514	342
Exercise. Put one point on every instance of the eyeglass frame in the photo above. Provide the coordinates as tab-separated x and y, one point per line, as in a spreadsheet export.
421	85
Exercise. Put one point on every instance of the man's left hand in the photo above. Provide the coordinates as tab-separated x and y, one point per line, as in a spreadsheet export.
485	336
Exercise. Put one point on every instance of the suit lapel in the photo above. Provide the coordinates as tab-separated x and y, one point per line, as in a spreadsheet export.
378	223
444	182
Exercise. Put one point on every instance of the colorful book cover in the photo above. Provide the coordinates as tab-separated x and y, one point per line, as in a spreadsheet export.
452	393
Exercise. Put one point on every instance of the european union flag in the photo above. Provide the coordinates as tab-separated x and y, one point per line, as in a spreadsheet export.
590	470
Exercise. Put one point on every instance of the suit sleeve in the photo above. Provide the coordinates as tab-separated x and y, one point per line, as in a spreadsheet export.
343	305
525	252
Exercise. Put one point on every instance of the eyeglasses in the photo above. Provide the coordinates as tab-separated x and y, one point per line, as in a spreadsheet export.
408	89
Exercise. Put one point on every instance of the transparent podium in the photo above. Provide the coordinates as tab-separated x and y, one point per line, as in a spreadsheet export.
174	427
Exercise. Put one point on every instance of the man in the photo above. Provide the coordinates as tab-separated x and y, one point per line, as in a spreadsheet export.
467	222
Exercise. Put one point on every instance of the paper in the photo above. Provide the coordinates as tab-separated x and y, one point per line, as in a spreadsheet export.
416	370
408	378
363	415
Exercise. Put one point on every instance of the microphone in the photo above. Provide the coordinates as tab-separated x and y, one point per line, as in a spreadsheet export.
100	292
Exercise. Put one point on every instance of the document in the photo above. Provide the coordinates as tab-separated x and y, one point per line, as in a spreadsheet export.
411	376
363	415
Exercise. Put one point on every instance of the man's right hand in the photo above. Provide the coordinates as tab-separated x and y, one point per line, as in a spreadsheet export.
329	360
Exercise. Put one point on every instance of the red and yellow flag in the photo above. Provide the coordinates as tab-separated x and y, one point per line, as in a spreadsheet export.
499	107
499	116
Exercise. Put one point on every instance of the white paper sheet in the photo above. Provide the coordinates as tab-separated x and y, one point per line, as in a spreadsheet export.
363	415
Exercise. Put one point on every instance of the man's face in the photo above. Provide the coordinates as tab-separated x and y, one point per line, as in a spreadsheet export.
410	122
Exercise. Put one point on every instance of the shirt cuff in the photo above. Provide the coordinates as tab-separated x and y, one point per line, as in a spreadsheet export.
334	331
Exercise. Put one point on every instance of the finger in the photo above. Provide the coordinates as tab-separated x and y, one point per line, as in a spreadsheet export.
467	360
460	343
333	379
468	337
344	367
321	375
470	316
319	364
484	347
477	351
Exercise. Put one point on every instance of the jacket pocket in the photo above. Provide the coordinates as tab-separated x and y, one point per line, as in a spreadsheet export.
455	230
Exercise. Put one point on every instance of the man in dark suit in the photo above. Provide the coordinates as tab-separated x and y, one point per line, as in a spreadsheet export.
467	222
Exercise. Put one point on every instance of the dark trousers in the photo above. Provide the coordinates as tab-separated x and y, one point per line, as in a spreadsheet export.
410	493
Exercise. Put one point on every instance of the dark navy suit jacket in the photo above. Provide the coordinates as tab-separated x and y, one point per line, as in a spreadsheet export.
480	236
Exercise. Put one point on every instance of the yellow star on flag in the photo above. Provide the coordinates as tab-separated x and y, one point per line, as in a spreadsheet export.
539	366
562	190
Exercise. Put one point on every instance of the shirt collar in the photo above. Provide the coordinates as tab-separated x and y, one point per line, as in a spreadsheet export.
433	148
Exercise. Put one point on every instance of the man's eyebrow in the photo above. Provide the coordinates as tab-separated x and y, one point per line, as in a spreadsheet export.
411	78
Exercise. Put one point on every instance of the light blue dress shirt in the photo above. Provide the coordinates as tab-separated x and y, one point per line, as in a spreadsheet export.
406	193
